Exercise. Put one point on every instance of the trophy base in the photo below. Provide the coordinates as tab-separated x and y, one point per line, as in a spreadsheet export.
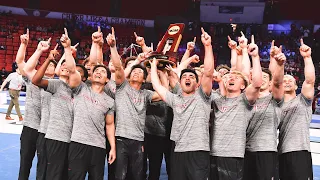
163	60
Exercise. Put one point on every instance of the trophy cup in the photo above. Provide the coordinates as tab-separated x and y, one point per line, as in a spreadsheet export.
166	52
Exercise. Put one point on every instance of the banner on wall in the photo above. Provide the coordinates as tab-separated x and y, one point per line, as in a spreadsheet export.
78	17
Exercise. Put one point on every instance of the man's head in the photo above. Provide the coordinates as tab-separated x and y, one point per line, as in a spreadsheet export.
83	72
100	74
87	64
223	69
63	69
236	82
129	61
266	79
138	74
189	80
50	69
289	84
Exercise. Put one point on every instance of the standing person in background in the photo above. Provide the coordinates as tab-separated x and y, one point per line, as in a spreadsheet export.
16	83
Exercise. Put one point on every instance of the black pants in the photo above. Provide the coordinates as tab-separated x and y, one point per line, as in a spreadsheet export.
226	168
85	159
130	158
155	147
193	165
295	165
28	141
42	157
57	160
260	165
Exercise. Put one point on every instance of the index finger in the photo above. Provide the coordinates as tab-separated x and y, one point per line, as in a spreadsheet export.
202	30
28	31
66	31
252	39
194	39
135	34
76	45
241	33
280	48
112	30
301	42
272	43
55	48
49	40
99	29
229	38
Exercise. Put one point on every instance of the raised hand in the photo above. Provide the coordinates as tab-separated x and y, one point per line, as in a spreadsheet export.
305	50
24	38
216	76
154	63
139	40
142	56
74	49
192	44
44	45
239	50
274	50
280	57
195	59
253	49
97	37
205	38
111	38
243	41
231	43
53	53
65	40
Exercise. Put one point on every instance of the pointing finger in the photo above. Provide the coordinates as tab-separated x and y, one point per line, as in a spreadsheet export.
194	39
75	46
112	30
28	31
99	29
241	33
229	39
202	30
272	43
49	40
66	31
301	42
55	48
135	34
252	39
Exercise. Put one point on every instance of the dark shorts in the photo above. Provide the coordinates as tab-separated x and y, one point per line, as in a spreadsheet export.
260	165
193	165
226	168
295	165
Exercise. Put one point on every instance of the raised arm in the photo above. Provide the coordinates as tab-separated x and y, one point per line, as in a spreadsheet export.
309	71
277	80
31	64
183	65
110	132
119	74
233	45
157	86
140	58
95	54
38	77
57	70
252	91
21	54
74	75
173	76
140	41
206	81
217	77
243	41
190	47
274	50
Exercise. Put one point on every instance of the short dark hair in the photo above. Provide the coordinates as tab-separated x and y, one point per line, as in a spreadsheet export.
145	73
222	66
63	61
266	70
101	65
54	62
85	71
191	71
128	59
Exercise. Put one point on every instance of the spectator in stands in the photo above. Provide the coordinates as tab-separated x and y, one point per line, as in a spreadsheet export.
2	47
3	73
14	66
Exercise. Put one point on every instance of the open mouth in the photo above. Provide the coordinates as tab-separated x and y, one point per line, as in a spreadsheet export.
188	84
231	83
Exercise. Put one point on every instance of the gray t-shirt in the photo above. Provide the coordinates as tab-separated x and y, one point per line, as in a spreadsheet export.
294	125
131	111
110	88
231	117
32	115
61	111
90	111
262	128
190	126
45	110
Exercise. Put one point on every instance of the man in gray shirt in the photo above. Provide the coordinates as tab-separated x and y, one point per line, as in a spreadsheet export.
261	146
131	105
191	110
294	138
231	117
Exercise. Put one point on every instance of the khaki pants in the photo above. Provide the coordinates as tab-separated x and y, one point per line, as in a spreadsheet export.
14	94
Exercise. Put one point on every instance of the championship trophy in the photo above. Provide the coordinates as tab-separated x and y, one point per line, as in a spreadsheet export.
166	52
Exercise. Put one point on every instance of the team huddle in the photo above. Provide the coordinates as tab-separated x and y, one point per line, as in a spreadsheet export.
128	113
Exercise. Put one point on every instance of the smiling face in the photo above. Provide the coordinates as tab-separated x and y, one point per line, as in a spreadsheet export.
188	82
289	84
100	75
265	81
235	82
63	70
137	75
50	69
